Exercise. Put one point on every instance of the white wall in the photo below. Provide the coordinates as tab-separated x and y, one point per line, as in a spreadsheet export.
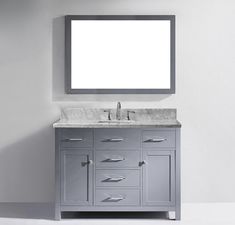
31	92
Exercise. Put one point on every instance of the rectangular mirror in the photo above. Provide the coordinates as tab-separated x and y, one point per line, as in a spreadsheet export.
120	54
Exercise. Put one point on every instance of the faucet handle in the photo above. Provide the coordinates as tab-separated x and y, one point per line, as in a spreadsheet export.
128	114
109	113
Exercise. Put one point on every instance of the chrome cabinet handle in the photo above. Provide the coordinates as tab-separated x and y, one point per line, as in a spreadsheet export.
156	140
73	139
114	179
115	199
144	162
113	140
90	162
114	159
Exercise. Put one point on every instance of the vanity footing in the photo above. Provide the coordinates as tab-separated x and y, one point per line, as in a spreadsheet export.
174	215
171	215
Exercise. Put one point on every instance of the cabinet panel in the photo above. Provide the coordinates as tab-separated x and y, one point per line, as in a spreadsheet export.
117	159
76	177
117	178
159	178
76	138
113	197
158	138
116	138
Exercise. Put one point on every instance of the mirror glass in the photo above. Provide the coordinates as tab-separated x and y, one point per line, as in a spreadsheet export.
129	56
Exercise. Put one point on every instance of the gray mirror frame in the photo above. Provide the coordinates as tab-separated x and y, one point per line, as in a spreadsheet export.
68	88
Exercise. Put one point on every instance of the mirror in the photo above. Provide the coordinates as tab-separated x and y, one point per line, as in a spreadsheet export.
120	54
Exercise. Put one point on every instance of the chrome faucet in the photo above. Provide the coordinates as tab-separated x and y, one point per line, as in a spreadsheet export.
118	112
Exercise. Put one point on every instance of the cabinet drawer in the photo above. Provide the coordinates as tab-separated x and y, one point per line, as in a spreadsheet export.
76	138
117	159
159	138
117	138
117	178
117	197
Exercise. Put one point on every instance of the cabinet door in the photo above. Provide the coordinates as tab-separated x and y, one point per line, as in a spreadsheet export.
158	178
76	177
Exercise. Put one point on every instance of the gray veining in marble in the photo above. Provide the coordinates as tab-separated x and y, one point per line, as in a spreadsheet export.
95	118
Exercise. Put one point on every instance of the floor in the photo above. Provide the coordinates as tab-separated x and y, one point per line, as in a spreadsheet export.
192	214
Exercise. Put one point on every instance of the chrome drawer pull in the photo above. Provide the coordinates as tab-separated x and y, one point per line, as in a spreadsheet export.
114	179
144	162
114	159
89	162
73	139
156	140
113	140
114	199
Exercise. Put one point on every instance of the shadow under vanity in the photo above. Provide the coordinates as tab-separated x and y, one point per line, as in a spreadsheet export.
117	161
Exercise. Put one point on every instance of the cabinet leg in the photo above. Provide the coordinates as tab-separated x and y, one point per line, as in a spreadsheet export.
177	214
171	215
57	214
174	215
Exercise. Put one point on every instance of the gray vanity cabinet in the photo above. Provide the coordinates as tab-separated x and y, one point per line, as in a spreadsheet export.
76	177
158	177
117	169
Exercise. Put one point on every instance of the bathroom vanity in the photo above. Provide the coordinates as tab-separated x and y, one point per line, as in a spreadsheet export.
113	159
104	165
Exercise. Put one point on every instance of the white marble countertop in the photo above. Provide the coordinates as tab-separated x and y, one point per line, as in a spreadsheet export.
90	118
138	124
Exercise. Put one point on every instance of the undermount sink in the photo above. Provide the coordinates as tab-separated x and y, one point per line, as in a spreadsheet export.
117	121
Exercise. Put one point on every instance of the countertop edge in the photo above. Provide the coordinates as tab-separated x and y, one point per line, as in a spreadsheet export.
58	124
